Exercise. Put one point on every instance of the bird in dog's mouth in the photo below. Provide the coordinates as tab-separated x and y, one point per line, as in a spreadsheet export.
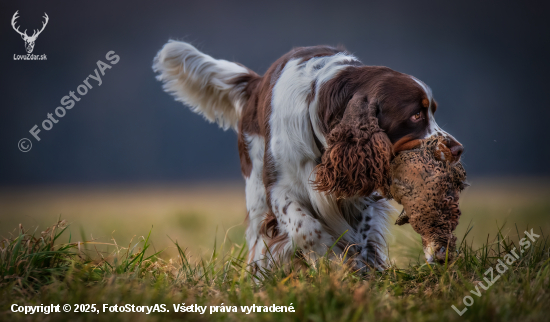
427	183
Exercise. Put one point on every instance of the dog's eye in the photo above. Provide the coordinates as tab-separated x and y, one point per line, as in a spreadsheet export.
417	117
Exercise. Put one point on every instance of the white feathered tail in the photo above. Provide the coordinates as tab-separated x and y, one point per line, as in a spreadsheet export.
214	88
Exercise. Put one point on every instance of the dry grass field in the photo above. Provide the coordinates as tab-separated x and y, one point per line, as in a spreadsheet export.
189	214
193	214
52	268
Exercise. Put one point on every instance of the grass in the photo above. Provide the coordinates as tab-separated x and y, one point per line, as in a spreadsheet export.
38	269
110	254
189	214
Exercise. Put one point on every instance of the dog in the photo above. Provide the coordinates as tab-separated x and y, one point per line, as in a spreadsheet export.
316	135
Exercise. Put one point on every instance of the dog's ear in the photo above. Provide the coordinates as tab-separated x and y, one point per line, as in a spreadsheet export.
357	158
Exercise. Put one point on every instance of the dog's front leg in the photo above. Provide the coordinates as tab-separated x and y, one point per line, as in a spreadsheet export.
304	232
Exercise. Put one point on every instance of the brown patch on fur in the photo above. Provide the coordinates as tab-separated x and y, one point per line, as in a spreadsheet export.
428	187
398	97
273	73
425	103
277	243
269	226
247	124
255	120
406	143
307	53
270	230
311	95
257	111
357	159
286	207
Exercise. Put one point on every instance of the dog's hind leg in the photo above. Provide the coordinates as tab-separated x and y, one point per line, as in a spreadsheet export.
256	204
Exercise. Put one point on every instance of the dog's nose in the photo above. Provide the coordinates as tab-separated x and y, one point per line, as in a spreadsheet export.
455	147
457	151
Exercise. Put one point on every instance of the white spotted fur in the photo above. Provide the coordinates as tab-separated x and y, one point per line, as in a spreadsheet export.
203	82
294	153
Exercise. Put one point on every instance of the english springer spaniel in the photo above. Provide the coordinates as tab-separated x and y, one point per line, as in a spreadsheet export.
316	135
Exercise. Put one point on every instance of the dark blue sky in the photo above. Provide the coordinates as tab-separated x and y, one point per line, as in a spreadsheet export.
487	64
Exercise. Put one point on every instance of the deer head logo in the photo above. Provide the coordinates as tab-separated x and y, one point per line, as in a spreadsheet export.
29	41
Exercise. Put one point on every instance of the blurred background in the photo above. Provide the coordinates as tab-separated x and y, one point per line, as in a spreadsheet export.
128	157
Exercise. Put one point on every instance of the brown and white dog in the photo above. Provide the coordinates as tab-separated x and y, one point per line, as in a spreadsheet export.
316	135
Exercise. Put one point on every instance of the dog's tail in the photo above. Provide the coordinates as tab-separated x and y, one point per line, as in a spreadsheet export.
216	89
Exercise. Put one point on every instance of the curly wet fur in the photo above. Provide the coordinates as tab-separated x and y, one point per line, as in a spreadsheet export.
357	160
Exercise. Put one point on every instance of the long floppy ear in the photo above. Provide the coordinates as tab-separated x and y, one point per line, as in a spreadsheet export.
357	159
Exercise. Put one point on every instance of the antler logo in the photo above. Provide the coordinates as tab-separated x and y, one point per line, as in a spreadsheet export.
29	41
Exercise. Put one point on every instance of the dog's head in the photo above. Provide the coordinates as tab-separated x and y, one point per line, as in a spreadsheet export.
367	115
